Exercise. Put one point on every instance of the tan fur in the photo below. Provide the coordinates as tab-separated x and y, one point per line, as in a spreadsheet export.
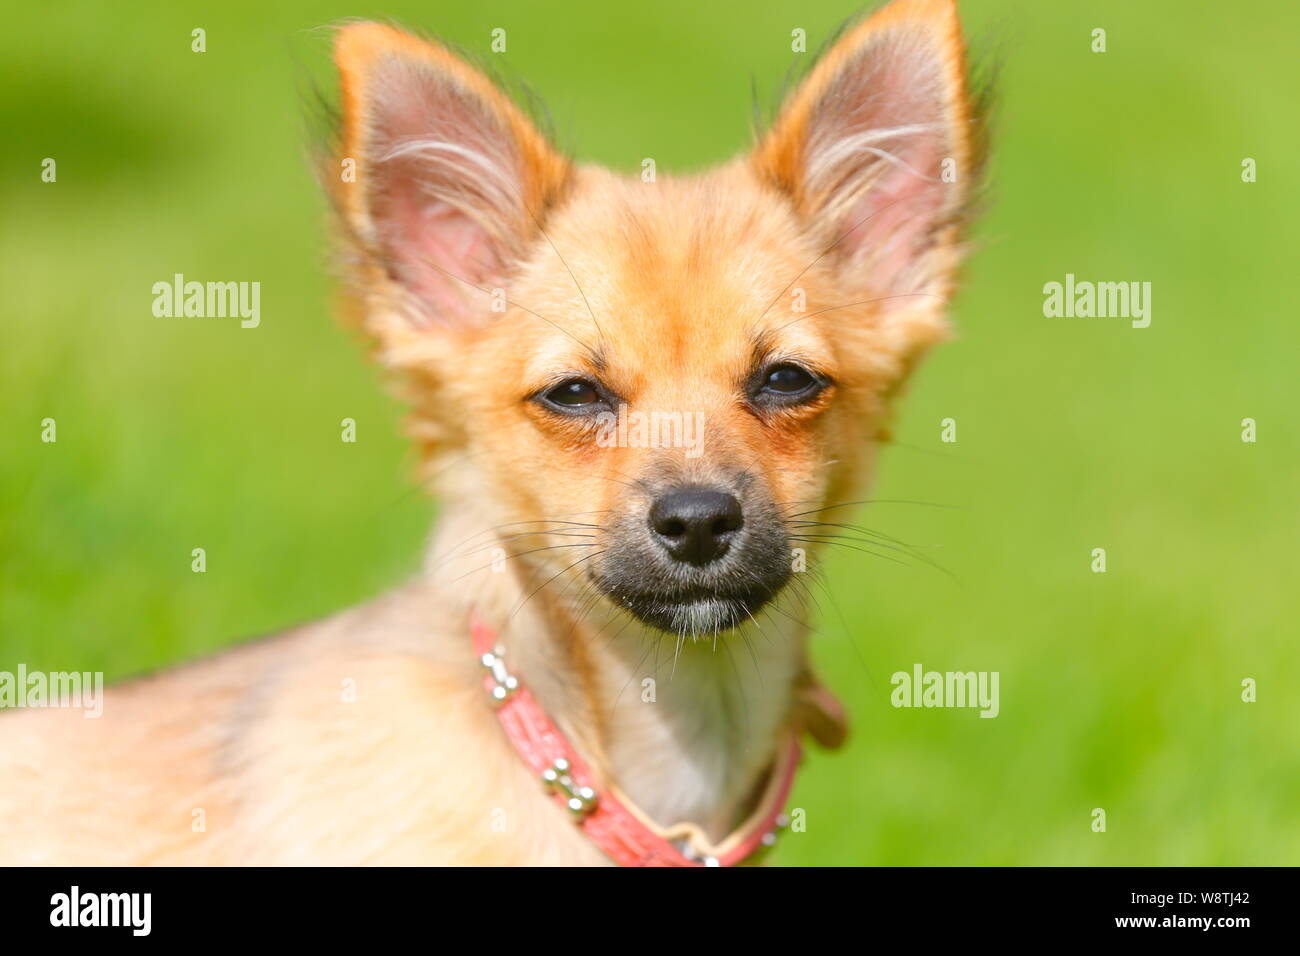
671	283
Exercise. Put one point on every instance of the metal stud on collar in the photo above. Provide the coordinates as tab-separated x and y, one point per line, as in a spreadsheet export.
780	823
504	683
690	853
557	779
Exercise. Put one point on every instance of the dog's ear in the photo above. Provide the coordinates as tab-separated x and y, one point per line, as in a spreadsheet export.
448	178
876	150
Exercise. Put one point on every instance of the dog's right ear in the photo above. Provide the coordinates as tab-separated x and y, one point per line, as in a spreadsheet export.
878	150
443	180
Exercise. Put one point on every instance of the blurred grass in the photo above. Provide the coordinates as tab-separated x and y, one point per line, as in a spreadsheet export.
1119	691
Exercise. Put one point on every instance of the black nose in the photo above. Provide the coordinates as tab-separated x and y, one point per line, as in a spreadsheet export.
696	525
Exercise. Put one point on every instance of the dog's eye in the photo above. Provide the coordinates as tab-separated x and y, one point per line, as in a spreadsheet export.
788	380
784	385
575	393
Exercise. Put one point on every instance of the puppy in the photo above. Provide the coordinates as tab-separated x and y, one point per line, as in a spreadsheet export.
636	400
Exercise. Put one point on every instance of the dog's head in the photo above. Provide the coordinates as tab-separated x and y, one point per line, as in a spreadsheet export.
655	377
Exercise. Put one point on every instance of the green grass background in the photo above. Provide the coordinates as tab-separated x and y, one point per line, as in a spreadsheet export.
1119	690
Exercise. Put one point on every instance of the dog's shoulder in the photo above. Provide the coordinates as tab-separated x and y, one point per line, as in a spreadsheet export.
361	738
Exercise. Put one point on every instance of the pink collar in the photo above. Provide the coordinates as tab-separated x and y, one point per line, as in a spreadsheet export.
608	818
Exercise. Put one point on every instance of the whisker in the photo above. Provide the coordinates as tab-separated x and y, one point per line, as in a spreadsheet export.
850	305
599	331
555	325
864	501
554	547
851	547
862	536
823	254
534	593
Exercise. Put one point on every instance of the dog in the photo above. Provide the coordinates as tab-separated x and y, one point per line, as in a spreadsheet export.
637	397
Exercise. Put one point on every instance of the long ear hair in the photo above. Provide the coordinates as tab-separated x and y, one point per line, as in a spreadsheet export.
880	148
439	182
444	179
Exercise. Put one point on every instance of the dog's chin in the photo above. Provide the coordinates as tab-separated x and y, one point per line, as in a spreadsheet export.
698	615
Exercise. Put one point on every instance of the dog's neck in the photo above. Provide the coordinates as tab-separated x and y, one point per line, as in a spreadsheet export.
687	729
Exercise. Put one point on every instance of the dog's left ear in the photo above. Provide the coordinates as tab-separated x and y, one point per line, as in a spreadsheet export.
876	151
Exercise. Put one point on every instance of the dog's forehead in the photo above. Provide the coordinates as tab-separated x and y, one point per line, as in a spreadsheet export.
693	271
